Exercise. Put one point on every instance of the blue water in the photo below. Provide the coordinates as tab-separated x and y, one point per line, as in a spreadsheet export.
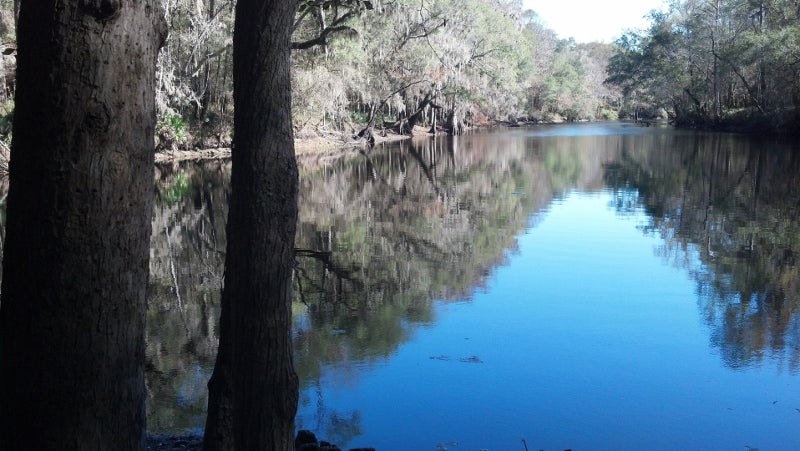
589	338
580	286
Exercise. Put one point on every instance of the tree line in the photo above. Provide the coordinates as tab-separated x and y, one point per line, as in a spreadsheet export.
731	64
363	66
358	66
392	64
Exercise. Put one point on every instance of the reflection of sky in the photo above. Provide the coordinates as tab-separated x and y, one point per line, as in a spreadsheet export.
594	129
586	340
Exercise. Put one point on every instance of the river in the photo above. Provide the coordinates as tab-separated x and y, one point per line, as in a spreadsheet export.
587	286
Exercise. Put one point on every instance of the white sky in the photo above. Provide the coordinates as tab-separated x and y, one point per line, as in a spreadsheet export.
592	20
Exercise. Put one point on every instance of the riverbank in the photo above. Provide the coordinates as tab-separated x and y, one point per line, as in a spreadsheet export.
309	149
304	441
174	443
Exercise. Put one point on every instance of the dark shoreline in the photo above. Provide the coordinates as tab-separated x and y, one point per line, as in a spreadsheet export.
304	441
174	442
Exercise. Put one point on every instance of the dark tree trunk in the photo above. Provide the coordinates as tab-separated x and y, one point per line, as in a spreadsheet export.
76	256
406	123
253	391
368	132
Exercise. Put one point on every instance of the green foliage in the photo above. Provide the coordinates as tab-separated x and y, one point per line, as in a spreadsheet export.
360	117
176	124
472	60
475	60
6	119
172	128
175	189
608	114
706	61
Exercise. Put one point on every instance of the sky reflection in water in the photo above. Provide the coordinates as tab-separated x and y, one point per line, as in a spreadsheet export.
588	338
569	286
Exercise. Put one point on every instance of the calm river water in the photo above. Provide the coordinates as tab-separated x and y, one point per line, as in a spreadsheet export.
592	286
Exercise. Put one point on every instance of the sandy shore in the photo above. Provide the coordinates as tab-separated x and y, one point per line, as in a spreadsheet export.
309	150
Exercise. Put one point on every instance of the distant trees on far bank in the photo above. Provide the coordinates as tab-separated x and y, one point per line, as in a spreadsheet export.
446	64
441	64
731	64
383	64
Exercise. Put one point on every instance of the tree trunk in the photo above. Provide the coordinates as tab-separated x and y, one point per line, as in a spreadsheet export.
16	13
76	256
253	391
454	123
407	126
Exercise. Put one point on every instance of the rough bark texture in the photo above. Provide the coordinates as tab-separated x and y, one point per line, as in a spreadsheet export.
75	263
253	391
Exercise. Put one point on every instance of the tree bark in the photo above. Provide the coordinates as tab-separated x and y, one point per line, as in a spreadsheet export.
76	255
16	13
454	123
253	391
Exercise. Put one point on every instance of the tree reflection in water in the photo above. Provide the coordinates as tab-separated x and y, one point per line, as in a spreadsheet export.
384	235
735	202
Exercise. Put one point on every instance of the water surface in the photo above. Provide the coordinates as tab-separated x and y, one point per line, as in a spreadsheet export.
592	286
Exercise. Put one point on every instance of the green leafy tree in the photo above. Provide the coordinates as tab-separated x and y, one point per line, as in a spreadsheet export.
716	63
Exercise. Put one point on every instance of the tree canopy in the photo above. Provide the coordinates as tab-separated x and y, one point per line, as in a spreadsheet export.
398	63
733	63
441	64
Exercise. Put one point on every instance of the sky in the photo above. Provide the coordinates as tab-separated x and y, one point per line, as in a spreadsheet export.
592	20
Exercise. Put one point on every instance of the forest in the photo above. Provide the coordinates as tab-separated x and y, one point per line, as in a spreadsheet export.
731	65
391	65
359	66
382	64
